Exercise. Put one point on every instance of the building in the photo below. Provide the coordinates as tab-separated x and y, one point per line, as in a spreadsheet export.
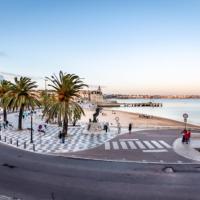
94	96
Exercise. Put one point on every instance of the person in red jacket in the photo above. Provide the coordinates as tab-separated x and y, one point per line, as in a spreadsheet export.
188	135
184	133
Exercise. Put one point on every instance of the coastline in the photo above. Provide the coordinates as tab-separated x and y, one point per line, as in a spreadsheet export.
109	115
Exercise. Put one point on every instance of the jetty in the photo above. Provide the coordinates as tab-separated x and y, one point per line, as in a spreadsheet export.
115	104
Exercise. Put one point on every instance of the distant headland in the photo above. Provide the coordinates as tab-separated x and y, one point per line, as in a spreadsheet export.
124	96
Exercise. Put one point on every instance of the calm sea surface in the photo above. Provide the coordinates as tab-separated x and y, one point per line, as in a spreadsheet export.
172	108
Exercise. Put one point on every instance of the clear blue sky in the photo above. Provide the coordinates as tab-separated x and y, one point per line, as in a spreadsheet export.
127	46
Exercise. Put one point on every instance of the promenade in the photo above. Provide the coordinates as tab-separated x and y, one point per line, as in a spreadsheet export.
47	141
147	145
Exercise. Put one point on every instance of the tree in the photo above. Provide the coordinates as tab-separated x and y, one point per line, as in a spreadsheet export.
4	88
21	96
76	114
66	88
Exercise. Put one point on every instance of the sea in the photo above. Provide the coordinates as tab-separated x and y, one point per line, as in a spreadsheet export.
171	109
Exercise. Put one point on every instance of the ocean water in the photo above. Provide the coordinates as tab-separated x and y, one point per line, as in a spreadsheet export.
172	108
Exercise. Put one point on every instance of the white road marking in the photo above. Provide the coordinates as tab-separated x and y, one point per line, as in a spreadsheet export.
128	139
132	145
140	145
115	145
155	151
107	146
123	144
165	144
157	144
149	145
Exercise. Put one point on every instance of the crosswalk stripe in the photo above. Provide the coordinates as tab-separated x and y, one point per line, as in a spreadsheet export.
155	151
157	144
140	145
149	145
107	146
132	145
115	145
165	144
124	146
128	139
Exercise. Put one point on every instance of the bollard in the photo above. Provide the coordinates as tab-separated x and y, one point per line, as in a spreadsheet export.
5	139
0	137
24	145
10	140
33	147
17	143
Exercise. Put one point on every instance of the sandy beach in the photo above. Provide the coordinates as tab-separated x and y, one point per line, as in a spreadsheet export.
125	118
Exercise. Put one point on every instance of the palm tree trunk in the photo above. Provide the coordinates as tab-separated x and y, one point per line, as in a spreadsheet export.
65	126
4	114
21	110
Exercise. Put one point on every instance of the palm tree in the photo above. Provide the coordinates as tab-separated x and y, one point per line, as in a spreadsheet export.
21	96
66	88
76	114
4	88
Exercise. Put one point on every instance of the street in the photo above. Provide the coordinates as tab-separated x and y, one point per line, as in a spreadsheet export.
29	176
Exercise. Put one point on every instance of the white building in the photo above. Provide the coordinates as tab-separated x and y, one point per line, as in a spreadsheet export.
94	96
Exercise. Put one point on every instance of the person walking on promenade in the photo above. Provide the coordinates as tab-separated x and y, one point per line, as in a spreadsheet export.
119	128
184	133
7	123
187	136
130	128
106	128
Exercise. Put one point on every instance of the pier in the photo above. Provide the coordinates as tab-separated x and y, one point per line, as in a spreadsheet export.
147	104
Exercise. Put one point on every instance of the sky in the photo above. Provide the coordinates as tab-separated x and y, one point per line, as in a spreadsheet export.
126	46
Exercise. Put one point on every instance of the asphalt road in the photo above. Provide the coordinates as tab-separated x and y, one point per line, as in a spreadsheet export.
30	176
168	136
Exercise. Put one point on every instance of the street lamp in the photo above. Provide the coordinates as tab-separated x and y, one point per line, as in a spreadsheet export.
185	117
31	126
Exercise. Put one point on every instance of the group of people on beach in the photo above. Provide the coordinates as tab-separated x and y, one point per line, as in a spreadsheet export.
186	134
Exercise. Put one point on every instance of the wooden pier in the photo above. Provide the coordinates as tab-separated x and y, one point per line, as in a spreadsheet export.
147	104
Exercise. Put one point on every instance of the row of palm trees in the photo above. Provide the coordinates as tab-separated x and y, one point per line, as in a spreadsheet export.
20	96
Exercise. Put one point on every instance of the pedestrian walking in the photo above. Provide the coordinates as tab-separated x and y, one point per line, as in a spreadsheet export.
130	128
60	135
184	135
187	136
7	123
106	128
119	128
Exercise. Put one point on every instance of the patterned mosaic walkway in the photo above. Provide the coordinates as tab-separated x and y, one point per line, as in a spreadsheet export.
78	137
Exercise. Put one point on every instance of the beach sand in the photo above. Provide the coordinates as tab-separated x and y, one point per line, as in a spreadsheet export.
125	118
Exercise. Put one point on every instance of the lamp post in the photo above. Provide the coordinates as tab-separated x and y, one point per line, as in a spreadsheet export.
185	117
31	126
